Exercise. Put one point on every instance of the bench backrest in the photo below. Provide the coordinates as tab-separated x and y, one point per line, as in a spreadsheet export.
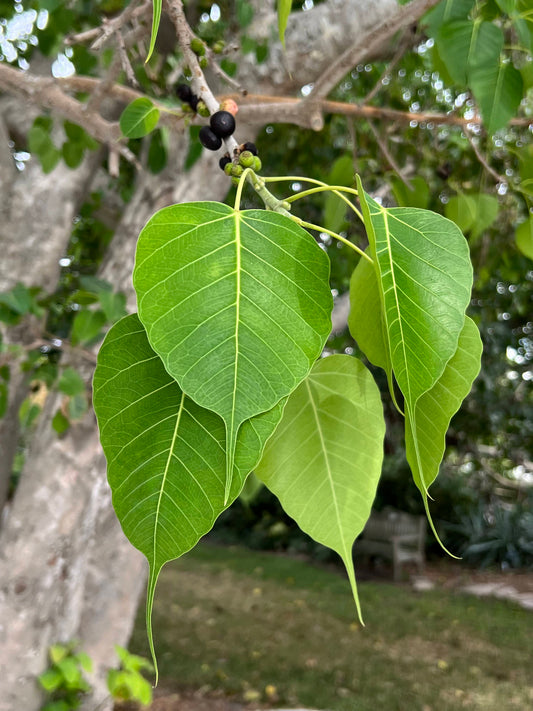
383	526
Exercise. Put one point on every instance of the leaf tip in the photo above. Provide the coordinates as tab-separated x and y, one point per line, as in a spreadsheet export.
348	564
434	530
152	581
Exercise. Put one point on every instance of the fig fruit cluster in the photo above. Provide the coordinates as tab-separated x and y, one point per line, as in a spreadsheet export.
221	125
246	158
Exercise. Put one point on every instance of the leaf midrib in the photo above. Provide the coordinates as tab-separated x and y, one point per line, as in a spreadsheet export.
328	468
167	466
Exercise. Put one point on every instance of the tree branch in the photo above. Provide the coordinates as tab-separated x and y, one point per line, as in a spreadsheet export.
368	45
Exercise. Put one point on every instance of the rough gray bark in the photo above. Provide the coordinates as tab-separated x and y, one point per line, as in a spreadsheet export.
66	570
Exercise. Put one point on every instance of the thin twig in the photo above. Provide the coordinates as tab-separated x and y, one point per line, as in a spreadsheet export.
200	85
481	158
404	16
384	149
109	27
125	60
217	69
402	46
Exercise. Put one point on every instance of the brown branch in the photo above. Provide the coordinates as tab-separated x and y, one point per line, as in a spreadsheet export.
200	85
404	16
402	46
481	158
109	27
46	93
388	156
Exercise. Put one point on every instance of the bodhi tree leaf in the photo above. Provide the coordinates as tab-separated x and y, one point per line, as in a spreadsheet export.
324	460
424	278
237	305
156	19
464	44
342	173
284	10
498	89
434	410
165	454
366	322
139	118
524	237
461	209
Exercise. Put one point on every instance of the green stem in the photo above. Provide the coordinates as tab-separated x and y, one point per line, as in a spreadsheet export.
272	203
345	241
335	189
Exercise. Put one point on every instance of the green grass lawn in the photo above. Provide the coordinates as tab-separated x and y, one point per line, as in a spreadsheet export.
281	631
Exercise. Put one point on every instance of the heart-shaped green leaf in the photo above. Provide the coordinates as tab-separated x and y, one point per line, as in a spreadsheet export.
165	454
139	118
424	278
237	305
425	432
324	460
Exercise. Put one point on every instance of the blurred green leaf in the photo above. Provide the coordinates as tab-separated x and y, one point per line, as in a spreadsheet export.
60	423
87	326
71	382
139	118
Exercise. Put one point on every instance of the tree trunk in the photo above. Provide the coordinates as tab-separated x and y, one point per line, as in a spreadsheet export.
66	569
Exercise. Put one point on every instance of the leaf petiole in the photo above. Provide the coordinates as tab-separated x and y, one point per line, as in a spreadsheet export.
345	241
335	189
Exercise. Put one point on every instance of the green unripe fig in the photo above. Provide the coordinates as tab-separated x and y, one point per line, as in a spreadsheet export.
202	109
198	47
257	164
228	168
203	62
235	181
246	159
218	47
237	171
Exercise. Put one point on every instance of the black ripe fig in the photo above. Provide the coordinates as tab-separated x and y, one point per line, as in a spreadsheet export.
208	139
184	92
224	161
249	146
222	123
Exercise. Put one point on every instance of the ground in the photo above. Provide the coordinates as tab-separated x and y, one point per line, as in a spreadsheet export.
247	631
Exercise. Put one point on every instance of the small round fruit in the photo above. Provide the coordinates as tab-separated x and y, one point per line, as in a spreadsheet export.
235	181
228	168
223	162
237	171
183	92
208	139
229	105
249	146
202	109
222	124
218	47
198	47
246	159
203	62
257	164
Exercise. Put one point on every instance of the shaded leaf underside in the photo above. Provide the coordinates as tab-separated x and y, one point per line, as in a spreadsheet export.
324	460
166	454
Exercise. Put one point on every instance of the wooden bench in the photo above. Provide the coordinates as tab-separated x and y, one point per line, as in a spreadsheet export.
394	535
